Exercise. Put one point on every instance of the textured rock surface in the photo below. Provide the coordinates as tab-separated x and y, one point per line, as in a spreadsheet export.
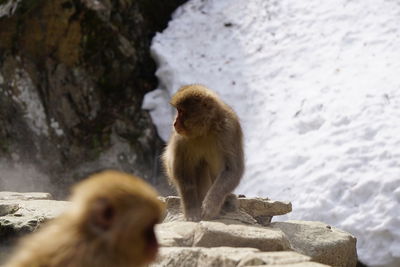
72	78
251	210
217	234
24	196
228	256
299	264
323	243
27	215
24	213
263	209
222	242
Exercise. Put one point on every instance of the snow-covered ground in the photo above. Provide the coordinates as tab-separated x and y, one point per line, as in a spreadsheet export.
317	87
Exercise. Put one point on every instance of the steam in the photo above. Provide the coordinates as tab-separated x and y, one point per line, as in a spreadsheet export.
19	177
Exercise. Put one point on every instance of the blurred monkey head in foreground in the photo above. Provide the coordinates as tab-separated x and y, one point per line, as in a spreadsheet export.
110	223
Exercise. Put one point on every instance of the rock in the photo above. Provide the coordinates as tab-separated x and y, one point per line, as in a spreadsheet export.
323	243
193	257
176	234
251	210
227	256
6	209
273	258
24	196
231	240
73	75
263	209
173	208
217	234
29	215
300	264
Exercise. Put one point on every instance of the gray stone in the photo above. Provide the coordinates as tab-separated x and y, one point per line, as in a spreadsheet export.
59	113
176	234
174	213
216	234
251	210
323	243
29	215
273	258
227	257
299	264
231	240
263	209
6	209
198	257
24	196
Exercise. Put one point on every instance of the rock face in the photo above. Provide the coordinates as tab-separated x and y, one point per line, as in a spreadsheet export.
245	238
219	234
228	256
264	209
233	239
72	78
323	243
22	213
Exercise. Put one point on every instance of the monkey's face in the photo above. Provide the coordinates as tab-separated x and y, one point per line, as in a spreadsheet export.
114	213
179	123
135	233
192	120
126	224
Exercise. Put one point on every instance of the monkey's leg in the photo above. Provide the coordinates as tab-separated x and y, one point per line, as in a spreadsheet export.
189	198
203	180
221	188
190	202
185	181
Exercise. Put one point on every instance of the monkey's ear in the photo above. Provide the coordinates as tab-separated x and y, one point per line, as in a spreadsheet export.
103	214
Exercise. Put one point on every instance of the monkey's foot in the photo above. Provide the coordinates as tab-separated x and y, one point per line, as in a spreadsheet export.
209	214
193	215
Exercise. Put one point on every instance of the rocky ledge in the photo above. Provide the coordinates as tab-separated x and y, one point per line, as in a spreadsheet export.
243	237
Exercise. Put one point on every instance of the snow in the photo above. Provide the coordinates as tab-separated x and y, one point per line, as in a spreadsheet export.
316	85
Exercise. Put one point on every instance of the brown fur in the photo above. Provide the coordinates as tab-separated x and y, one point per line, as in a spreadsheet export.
204	157
110	223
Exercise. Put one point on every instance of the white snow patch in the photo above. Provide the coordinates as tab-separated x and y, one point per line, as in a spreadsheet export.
160	114
27	97
316	85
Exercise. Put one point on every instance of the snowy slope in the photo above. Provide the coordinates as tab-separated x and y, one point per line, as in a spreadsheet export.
317	87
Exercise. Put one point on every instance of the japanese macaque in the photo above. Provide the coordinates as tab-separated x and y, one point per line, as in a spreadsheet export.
204	157
110	223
